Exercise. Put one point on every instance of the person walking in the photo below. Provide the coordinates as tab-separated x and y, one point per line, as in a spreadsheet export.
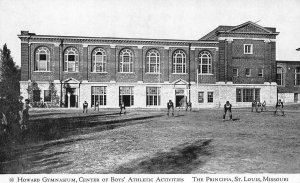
254	103
170	106
279	106
227	107
85	107
122	106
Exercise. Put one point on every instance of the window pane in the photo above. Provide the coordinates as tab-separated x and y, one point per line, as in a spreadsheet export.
200	97
43	57
210	97
71	57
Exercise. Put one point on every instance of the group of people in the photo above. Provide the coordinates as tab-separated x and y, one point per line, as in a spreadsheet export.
96	107
258	106
15	115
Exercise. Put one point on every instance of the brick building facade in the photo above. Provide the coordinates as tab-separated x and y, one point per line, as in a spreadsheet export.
288	81
235	63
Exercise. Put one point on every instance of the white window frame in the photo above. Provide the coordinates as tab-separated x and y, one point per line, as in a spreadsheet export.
45	51
202	56
153	61
202	92
246	51
179	54
75	63
208	97
152	96
123	64
281	76
100	95
100	60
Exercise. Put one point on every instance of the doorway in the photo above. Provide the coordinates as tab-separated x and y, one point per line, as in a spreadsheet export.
126	100
295	97
73	97
126	95
179	98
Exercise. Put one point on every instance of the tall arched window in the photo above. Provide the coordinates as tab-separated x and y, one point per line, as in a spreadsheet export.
153	61
99	60
42	59
179	62
126	61
297	76
279	76
205	63
71	60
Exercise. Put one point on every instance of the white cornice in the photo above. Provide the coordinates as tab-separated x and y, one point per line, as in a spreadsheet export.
140	46
232	38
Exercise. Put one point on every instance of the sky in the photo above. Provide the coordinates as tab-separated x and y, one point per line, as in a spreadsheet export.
157	19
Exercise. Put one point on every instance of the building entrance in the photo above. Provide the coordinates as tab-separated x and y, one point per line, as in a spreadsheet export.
126	95
180	98
73	97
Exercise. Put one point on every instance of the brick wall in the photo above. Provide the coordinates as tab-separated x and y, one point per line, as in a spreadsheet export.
288	77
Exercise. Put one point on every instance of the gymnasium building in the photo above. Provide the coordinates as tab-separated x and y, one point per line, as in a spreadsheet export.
230	63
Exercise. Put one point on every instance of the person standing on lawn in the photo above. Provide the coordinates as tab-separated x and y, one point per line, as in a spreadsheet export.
227	107
254	104
258	106
96	106
85	107
25	115
264	106
122	106
279	106
170	106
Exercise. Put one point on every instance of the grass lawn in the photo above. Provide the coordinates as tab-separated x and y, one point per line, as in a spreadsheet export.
191	142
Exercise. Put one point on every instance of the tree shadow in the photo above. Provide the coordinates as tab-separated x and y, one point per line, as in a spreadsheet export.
179	160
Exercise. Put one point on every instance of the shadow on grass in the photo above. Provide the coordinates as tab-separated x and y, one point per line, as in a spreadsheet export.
27	160
179	160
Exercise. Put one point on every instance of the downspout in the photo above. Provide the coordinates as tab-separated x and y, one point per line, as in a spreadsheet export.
60	70
29	58
189	73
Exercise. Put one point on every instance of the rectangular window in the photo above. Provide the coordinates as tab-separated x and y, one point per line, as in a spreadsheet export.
247	94
235	72
98	95
248	49
297	76
47	95
200	97
248	72
126	95
279	76
152	96
260	72
210	97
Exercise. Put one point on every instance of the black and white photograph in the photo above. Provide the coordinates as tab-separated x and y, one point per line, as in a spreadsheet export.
150	87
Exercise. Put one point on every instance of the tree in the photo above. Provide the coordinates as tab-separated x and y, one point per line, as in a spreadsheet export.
9	77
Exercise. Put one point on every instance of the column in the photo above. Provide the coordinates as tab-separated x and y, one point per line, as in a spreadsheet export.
139	64
228	61
85	63
112	64
166	70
